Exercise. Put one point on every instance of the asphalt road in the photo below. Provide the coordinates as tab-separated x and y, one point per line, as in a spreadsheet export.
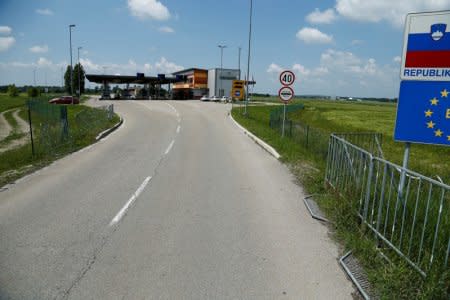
176	204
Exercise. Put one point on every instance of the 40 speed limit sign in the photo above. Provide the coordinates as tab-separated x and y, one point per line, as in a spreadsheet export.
287	78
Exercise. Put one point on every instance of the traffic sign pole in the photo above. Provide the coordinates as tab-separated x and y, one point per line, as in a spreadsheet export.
286	93
284	120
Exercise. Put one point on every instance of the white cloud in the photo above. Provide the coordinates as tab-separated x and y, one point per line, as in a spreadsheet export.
6	30
301	70
148	9
357	42
166	67
43	62
317	17
274	68
342	73
89	66
166	29
397	59
386	10
320	71
313	36
6	43
131	67
44	11
39	49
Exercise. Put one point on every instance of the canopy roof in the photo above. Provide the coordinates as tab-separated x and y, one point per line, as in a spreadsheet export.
123	79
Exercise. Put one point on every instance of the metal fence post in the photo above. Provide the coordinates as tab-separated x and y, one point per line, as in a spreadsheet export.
307	136
64	122
368	191
31	129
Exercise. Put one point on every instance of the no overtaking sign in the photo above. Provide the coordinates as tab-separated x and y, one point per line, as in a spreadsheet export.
286	93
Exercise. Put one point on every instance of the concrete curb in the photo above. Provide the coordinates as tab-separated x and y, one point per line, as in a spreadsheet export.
105	133
257	140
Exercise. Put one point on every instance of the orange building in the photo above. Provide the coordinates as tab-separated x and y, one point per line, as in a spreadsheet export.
193	84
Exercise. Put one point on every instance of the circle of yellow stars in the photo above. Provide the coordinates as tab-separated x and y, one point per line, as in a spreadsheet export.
429	114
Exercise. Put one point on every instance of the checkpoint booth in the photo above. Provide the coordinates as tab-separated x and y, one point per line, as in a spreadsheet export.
136	87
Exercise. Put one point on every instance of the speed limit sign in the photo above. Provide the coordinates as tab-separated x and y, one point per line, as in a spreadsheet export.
287	78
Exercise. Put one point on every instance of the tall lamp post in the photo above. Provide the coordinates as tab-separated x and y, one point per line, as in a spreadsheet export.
248	59
71	68
221	66
79	71
239	62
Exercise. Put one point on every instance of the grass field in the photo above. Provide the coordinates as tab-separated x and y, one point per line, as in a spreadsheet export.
340	116
20	161
7	102
393	281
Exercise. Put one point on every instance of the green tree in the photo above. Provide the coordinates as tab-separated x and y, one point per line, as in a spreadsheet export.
33	92
67	80
78	69
13	91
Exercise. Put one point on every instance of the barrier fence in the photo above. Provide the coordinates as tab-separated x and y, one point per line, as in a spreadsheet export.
312	138
413	221
54	131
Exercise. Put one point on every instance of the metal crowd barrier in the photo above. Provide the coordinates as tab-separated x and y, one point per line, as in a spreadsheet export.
413	222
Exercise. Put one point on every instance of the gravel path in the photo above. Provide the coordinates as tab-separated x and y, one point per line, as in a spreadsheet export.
5	128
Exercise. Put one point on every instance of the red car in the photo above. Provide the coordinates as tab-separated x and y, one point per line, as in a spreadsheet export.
64	100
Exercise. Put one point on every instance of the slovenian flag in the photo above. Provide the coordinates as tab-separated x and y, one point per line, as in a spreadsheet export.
428	46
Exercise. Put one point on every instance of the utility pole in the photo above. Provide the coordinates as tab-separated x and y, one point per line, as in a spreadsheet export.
71	67
79	71
248	58
239	62
221	66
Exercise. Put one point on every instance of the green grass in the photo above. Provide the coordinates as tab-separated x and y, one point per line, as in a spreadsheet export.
7	102
20	161
392	281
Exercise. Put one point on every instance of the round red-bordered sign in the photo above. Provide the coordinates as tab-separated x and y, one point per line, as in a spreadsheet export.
287	78
286	94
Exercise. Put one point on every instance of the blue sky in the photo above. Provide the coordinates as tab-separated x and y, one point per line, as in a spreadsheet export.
335	47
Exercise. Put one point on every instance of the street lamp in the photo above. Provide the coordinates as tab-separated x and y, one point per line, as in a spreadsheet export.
239	62
79	71
221	60
71	68
248	59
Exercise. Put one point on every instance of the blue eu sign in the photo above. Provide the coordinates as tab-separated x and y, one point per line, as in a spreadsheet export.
423	112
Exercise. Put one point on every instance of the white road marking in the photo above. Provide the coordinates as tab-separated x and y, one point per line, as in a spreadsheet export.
178	129
169	148
133	198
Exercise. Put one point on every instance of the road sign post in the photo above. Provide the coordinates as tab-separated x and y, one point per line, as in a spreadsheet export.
423	112
285	94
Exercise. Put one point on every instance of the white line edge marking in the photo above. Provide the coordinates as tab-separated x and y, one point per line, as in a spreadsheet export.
133	198
169	148
263	144
178	129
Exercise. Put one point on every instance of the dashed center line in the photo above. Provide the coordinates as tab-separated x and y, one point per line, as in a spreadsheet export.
178	129
169	148
133	198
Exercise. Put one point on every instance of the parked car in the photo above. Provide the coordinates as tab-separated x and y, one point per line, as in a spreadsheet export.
214	98
204	98
225	99
64	100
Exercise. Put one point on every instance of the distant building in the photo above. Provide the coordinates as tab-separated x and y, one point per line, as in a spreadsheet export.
220	81
192	84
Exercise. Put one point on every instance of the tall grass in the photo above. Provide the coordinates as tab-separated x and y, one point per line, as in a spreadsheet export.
393	281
